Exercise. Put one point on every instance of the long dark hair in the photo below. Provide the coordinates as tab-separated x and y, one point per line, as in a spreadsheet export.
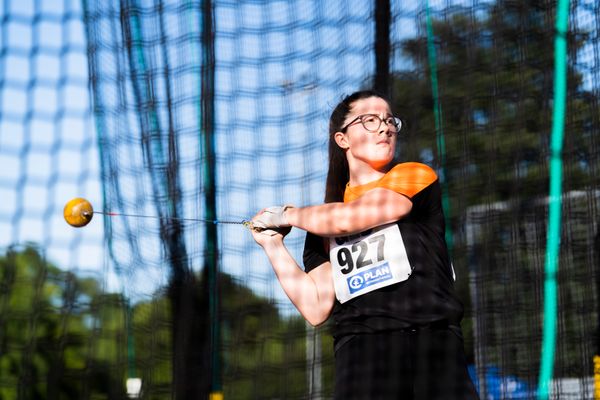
338	173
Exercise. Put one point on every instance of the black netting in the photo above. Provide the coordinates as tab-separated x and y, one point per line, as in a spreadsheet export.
199	113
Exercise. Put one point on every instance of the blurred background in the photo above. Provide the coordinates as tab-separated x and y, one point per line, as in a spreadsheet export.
213	109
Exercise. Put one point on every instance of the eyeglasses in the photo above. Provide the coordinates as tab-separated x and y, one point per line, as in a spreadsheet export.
372	122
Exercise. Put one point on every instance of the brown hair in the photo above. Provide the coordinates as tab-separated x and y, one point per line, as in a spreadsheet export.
338	173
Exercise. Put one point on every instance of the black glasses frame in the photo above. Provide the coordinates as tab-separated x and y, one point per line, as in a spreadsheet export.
397	122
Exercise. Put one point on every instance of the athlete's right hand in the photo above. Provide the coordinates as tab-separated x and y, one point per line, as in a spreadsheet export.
264	236
271	218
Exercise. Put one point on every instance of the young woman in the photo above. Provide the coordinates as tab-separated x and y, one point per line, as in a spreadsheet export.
376	259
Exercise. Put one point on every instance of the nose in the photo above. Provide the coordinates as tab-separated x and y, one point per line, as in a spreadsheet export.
385	128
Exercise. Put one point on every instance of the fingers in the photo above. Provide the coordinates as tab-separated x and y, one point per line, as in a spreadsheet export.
262	234
270	222
272	231
271	217
268	232
257	225
259	222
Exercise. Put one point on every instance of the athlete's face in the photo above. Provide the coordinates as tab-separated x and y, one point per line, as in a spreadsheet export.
375	149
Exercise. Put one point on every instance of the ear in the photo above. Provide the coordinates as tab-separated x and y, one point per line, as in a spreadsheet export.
341	139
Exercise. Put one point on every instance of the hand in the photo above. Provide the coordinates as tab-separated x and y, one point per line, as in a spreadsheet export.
271	217
269	236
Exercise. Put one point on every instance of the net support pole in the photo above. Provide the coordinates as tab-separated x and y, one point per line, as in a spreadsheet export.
555	201
210	200
382	47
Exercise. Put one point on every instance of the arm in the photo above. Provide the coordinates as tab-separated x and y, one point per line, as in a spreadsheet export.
312	294
376	207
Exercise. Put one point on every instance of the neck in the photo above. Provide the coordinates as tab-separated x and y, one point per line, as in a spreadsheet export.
361	173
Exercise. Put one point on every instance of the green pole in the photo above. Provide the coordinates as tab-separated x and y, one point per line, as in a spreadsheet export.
439	130
130	340
555	203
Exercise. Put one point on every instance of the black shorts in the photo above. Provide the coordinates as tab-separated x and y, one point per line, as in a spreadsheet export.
426	364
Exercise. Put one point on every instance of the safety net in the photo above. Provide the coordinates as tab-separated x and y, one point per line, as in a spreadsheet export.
180	120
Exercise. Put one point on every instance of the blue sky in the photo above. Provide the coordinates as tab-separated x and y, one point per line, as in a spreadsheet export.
278	77
47	140
271	128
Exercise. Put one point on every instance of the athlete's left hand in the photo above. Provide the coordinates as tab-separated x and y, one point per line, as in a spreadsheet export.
271	217
267	237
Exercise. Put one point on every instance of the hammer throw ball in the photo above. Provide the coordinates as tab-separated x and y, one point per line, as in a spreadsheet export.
78	212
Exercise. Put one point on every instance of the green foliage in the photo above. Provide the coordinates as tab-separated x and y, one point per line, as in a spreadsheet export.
495	76
62	337
47	335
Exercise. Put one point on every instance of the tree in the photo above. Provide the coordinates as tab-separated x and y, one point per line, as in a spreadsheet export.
495	74
496	82
61	336
263	353
48	347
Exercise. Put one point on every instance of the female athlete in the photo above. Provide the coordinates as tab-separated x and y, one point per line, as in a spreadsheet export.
375	260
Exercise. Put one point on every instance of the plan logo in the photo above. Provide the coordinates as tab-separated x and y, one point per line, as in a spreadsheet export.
369	277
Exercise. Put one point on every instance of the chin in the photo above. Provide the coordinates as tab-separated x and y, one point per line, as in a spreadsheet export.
382	165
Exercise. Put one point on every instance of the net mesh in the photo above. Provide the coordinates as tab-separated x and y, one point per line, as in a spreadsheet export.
212	110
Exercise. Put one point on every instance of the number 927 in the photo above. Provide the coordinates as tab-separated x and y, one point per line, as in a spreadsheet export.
356	255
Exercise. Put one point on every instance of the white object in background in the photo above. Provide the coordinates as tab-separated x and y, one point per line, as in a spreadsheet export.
134	387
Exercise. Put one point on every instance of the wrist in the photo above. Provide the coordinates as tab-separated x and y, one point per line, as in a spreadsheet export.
289	213
275	242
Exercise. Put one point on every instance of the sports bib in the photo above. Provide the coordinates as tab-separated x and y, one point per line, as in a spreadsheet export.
368	261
